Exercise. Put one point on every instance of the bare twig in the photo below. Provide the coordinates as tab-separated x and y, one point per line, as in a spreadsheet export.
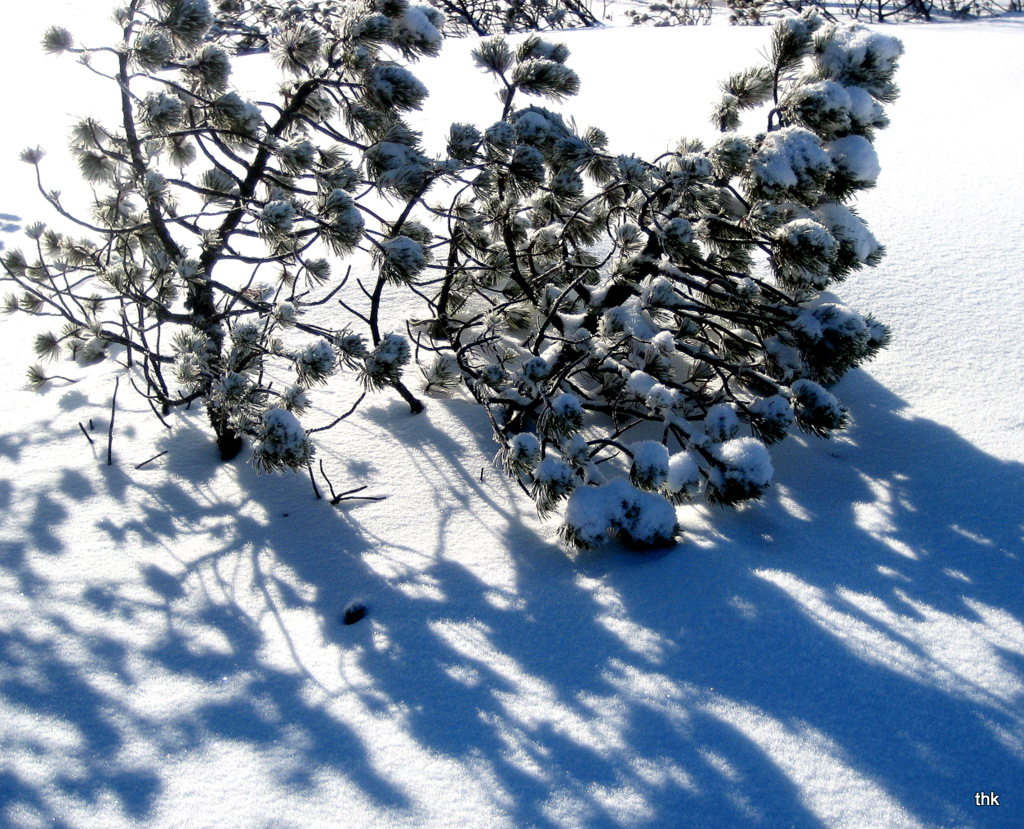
347	495
337	420
139	466
312	480
110	429
91	441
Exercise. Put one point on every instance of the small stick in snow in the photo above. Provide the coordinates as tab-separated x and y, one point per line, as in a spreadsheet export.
312	480
336	421
80	426
110	429
348	495
329	484
139	466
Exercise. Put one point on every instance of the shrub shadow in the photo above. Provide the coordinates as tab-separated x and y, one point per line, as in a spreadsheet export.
852	643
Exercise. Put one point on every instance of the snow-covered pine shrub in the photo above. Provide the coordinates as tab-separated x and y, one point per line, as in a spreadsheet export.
249	25
897	11
672	13
491	17
218	221
639	331
885	11
759	12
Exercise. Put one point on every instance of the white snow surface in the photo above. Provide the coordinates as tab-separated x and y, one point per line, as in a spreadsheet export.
850	653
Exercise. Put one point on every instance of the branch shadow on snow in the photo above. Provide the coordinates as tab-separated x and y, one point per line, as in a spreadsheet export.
860	632
92	658
853	640
871	609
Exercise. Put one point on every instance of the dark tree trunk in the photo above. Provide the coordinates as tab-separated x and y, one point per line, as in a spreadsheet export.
229	445
229	442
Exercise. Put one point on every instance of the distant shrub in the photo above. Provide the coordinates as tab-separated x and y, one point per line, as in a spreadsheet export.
757	12
673	13
250	24
489	17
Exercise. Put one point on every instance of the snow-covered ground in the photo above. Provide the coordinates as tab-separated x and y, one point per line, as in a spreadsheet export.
850	653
